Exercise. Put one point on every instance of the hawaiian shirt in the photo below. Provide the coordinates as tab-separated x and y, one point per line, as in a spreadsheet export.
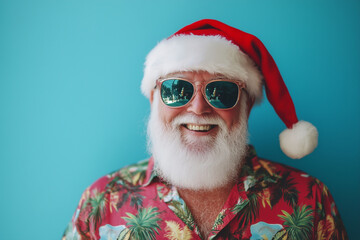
270	201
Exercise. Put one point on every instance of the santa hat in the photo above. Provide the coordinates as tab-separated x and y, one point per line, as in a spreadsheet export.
215	47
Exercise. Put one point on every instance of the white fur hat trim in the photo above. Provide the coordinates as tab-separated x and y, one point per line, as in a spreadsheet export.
300	140
213	54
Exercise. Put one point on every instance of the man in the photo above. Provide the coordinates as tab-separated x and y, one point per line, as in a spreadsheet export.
203	181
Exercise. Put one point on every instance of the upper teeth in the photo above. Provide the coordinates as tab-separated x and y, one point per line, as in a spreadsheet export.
198	127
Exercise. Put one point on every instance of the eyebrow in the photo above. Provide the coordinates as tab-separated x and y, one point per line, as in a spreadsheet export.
174	75
220	76
180	75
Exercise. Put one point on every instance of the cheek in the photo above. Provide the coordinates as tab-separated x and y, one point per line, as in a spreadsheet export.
231	117
167	114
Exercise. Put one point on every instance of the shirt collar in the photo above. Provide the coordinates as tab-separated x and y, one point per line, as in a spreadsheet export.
151	174
257	173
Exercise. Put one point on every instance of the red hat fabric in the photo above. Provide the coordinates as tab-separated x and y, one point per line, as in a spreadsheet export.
215	47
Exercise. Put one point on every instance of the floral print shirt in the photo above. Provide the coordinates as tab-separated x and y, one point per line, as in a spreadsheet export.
270	201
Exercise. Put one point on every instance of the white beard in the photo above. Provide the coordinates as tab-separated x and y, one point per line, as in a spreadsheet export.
194	162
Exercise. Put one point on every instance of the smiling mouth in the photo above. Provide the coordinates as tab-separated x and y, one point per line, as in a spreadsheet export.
199	128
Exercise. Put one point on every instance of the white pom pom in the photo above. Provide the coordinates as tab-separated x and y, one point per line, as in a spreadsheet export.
300	140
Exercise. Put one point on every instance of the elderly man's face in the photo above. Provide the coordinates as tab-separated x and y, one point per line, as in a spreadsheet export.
198	159
199	107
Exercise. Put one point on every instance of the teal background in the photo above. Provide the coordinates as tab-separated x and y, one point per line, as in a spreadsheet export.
71	109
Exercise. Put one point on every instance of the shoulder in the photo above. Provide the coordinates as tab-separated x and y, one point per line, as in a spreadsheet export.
113	185
306	195
287	179
109	195
261	168
131	175
282	170
308	186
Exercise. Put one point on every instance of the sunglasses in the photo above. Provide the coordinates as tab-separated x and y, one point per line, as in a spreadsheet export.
219	93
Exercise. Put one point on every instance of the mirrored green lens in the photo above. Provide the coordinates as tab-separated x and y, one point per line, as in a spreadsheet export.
222	94
176	92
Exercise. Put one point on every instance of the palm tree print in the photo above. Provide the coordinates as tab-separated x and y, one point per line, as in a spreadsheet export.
228	234
314	182
299	224
134	174
143	225
284	188
183	212
136	199
127	190
280	235
326	228
123	206
219	220
247	210
98	205
175	232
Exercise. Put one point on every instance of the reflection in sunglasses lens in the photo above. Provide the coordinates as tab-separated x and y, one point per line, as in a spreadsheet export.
222	94
176	93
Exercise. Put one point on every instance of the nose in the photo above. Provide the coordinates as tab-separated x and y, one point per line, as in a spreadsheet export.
198	104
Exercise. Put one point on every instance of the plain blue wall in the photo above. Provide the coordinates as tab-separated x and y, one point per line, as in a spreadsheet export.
71	109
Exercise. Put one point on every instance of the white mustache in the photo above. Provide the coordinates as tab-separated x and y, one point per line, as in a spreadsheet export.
190	118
